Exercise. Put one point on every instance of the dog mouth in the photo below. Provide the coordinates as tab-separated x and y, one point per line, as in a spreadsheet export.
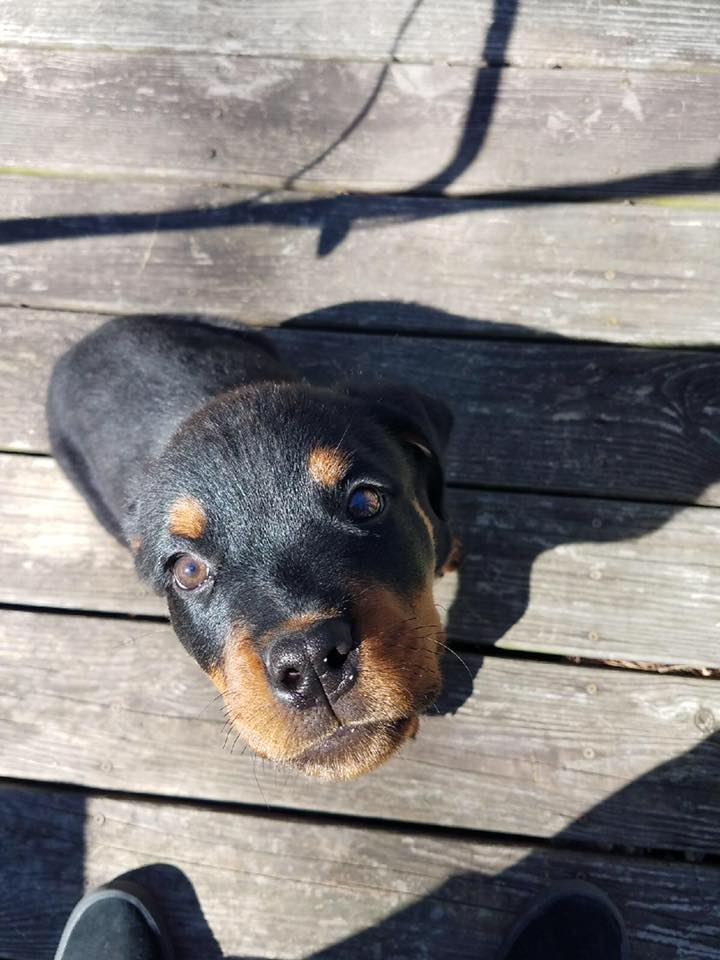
354	749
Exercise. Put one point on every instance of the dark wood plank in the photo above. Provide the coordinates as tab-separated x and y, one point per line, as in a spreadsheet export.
669	34
643	273
606	756
601	421
239	885
559	416
589	578
267	122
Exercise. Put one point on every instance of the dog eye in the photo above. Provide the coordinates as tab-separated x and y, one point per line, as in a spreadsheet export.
189	572
365	502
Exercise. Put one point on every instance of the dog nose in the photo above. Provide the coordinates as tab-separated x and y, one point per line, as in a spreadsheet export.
310	667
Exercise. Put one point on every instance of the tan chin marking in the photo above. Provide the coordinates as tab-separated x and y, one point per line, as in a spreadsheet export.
399	674
371	749
187	518
270	729
327	465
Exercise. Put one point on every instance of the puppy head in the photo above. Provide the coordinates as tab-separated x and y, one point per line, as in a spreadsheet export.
296	533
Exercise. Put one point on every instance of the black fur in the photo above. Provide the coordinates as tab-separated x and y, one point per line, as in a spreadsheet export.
147	410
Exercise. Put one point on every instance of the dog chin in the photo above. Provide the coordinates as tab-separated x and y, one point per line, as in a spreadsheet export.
354	749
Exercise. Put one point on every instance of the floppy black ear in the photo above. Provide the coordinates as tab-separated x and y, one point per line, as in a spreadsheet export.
420	422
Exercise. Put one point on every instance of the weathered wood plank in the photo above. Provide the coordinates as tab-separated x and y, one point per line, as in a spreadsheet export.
559	416
597	754
238	885
591	578
602	421
259	122
602	755
657	33
30	343
643	273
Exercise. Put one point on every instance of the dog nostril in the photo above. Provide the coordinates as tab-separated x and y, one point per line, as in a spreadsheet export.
336	658
290	678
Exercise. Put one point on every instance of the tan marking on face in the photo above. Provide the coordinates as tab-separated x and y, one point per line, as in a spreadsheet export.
217	676
187	518
426	520
399	675
135	544
455	557
402	640
370	747
272	729
328	465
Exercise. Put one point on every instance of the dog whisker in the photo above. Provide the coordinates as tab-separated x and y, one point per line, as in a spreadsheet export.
456	655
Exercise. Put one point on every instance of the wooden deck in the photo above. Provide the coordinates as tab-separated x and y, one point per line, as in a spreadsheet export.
515	206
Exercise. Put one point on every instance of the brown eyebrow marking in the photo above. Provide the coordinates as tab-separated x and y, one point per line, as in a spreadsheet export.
187	518
328	465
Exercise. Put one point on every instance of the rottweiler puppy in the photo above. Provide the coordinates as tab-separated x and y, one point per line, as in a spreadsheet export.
295	530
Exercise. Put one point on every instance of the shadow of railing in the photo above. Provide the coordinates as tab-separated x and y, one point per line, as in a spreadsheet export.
483	99
334	217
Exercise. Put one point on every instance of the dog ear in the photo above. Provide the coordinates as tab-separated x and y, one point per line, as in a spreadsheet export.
419	422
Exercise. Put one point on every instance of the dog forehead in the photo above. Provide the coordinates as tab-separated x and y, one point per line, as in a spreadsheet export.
226	457
287	413
270	455
279	430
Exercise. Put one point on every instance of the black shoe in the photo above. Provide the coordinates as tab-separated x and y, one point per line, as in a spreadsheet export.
573	921
116	922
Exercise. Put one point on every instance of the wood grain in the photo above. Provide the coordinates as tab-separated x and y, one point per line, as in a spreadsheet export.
177	105
273	122
624	423
239	885
644	273
591	578
649	33
535	748
30	343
